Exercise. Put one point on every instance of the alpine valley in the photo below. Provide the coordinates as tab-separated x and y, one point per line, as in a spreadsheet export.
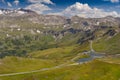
51	47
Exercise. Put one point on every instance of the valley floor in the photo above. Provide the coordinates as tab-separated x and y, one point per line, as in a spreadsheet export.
61	64
107	68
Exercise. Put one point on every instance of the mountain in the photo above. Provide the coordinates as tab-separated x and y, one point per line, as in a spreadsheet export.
58	20
22	29
35	46
19	11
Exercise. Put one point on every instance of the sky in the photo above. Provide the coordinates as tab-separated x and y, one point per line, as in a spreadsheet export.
82	8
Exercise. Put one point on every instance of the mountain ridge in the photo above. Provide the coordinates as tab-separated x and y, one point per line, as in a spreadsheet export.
30	31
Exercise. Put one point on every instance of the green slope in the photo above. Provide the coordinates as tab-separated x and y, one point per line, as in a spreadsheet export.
109	45
17	64
96	70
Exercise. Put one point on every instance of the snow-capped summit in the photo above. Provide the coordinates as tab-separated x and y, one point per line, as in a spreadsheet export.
5	11
19	11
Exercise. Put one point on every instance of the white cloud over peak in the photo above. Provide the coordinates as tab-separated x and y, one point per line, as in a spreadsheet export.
113	1
84	10
41	1
39	6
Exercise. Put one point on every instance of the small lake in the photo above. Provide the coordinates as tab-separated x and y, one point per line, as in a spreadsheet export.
93	56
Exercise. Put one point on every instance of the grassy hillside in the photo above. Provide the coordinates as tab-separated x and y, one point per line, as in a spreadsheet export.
40	59
17	64
103	69
108	45
61	53
96	70
28	46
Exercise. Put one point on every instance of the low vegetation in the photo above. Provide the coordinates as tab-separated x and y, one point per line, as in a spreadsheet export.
17	64
96	70
109	45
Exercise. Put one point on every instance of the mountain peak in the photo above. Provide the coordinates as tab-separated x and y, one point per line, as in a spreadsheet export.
18	11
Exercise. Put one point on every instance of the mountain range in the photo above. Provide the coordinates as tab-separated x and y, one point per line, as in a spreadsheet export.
48	47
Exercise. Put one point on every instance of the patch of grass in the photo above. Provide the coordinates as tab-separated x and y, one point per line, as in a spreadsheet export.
61	53
108	45
58	54
112	59
17	64
39	59
96	70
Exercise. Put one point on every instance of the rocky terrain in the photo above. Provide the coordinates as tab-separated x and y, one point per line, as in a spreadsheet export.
49	47
24	29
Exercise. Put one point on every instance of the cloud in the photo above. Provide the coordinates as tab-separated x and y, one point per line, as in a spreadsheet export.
39	6
16	2
41	1
113	1
84	10
9	4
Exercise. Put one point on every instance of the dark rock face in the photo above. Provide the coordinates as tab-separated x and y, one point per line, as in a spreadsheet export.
110	33
68	21
85	23
88	35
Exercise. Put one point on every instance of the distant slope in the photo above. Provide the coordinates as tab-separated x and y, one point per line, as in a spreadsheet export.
109	45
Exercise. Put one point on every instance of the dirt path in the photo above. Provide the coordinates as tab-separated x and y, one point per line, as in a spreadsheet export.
44	69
